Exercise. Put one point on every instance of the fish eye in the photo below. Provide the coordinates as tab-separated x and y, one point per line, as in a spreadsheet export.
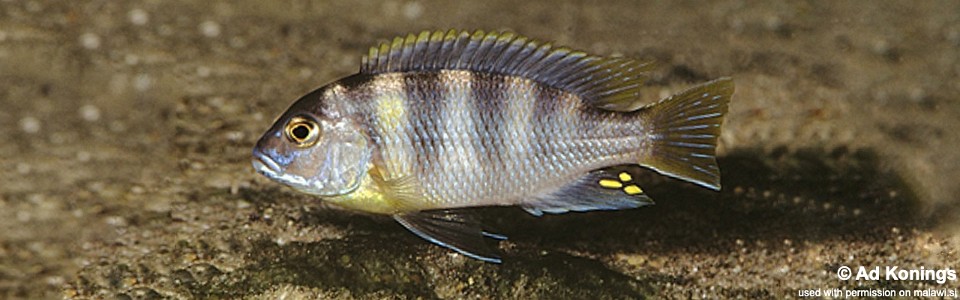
302	131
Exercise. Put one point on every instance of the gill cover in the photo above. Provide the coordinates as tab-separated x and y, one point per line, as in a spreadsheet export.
341	158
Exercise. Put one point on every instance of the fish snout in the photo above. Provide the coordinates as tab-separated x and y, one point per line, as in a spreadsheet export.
265	165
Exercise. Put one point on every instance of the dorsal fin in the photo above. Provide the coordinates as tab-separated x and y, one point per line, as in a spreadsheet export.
605	82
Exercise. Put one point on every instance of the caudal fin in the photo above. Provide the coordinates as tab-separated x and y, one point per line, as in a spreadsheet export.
685	131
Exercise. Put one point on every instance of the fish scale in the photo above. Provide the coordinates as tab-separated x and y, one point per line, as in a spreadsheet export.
563	153
444	120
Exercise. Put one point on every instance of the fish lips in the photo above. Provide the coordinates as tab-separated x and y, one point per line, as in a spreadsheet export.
265	165
269	168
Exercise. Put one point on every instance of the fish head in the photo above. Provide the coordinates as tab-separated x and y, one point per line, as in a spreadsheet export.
315	147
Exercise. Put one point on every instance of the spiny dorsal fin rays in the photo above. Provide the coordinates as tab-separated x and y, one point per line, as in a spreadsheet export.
436	43
604	82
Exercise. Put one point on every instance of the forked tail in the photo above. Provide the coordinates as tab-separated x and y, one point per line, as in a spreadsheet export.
684	133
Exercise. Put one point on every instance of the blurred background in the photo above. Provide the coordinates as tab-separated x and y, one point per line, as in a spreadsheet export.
127	128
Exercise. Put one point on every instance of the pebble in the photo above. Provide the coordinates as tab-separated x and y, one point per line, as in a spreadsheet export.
143	82
138	16
137	190
210	28
412	10
242	204
55	281
30	125
234	136
217	102
116	221
221	181
89	113
90	41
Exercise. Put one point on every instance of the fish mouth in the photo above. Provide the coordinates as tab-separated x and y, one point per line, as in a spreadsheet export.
268	167
265	165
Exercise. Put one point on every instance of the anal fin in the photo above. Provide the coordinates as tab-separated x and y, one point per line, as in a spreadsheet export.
604	189
451	229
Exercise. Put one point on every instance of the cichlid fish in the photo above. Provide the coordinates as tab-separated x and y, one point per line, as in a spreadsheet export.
446	120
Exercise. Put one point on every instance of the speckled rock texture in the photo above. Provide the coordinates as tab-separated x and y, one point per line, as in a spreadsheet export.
127	128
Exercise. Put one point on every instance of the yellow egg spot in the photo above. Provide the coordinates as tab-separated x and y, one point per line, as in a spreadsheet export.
632	190
624	176
610	184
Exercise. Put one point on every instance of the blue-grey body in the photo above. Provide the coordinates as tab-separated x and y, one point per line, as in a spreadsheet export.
450	120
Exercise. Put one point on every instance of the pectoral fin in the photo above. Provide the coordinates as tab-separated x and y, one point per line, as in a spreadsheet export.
451	229
611	188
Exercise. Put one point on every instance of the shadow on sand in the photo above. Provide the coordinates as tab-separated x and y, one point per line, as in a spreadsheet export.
767	197
805	195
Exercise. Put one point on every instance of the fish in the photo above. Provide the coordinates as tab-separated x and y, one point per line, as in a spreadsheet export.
440	121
